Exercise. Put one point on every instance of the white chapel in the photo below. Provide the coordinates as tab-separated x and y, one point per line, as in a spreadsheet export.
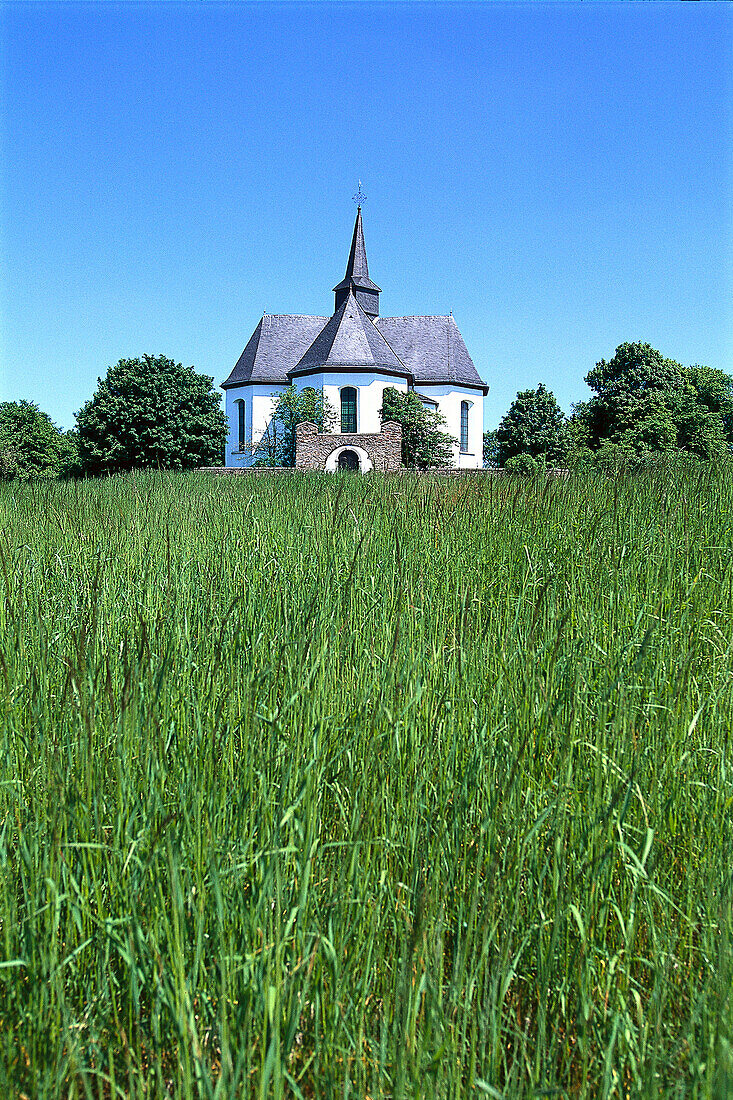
354	355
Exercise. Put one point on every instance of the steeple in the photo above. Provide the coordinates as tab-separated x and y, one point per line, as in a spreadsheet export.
356	279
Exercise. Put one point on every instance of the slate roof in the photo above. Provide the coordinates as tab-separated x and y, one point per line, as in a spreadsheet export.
274	348
350	339
431	348
426	349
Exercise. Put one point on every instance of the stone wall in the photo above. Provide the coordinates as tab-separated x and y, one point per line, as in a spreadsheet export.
312	448
441	471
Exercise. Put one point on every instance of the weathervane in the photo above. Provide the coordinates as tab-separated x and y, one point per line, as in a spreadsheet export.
358	198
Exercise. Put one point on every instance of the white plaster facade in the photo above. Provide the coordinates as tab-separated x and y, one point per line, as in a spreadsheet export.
259	401
450	398
369	386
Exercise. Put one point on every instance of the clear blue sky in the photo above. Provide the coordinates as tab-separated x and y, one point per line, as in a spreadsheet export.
559	175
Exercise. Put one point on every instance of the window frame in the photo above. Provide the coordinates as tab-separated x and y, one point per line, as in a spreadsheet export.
354	410
465	406
241	423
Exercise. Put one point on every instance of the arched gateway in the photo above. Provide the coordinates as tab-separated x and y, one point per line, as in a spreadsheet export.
349	460
358	451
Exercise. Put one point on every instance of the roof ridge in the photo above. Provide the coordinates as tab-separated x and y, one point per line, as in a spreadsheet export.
417	317
451	367
312	316
364	317
374	325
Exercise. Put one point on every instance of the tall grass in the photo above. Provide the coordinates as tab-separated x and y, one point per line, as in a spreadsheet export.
367	787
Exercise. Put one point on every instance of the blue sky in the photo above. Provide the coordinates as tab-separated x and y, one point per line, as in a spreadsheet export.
559	175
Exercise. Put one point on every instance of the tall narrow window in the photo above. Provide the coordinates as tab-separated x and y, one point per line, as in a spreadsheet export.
241	424
464	426
348	409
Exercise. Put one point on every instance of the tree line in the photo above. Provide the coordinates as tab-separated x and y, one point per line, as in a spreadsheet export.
152	412
146	413
643	407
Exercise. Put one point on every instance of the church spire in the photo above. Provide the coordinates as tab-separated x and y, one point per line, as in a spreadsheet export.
356	279
357	264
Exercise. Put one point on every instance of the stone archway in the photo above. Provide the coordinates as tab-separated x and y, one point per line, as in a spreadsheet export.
316	450
357	458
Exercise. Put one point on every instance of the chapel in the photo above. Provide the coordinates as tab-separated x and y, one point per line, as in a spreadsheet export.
353	356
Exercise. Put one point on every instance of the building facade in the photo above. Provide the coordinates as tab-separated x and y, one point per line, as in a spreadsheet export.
353	356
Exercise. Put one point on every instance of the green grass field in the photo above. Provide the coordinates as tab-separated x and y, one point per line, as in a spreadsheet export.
342	787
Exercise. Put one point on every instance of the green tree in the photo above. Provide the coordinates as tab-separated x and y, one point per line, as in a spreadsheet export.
644	405
424	443
31	445
534	425
491	449
70	465
151	412
292	407
714	389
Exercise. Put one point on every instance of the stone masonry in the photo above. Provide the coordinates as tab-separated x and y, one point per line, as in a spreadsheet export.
384	448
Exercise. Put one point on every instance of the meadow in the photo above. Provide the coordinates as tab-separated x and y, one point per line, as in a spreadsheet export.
399	787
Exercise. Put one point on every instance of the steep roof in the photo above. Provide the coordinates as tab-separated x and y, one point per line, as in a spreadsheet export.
350	339
357	268
274	348
431	348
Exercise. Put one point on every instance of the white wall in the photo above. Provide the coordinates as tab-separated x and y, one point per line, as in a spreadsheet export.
258	405
369	388
449	398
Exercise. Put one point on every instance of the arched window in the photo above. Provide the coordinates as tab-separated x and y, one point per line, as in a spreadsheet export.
348	409
464	426
240	423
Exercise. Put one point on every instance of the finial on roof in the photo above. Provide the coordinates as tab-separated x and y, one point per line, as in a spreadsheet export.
359	198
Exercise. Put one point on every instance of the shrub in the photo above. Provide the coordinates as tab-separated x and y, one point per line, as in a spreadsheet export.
526	465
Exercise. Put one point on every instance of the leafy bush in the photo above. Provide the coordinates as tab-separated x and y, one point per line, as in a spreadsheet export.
526	465
534	425
645	404
31	446
491	450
